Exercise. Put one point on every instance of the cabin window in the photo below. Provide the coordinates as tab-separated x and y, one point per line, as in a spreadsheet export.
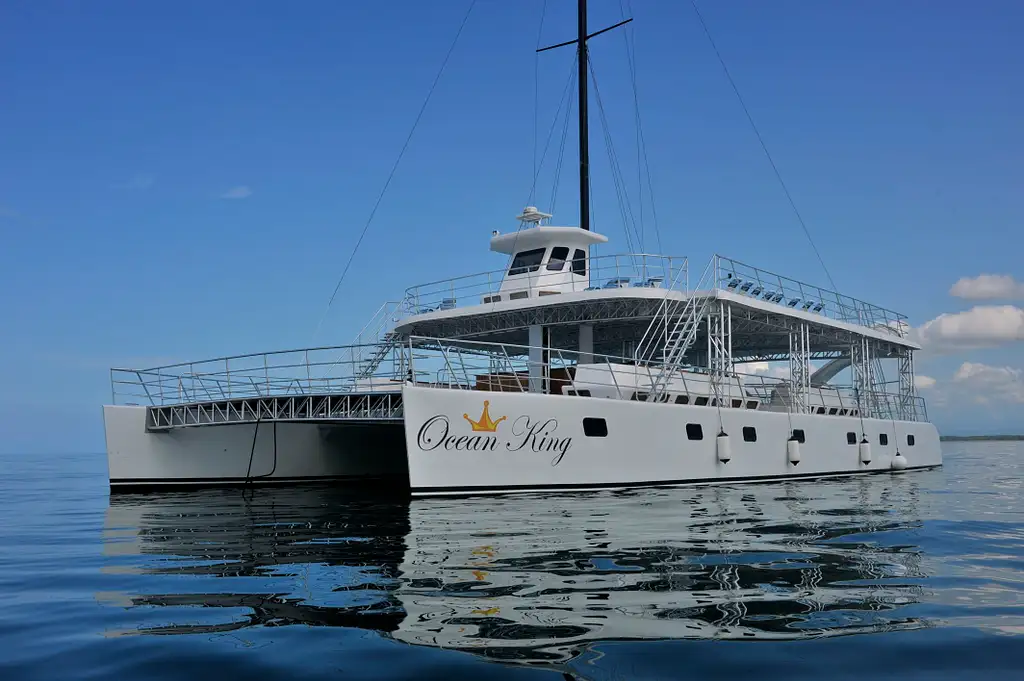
526	261
682	399
851	438
833	411
594	427
749	434
737	404
694	431
798	435
821	410
751	404
559	254
578	393
883	439
579	262
701	401
910	440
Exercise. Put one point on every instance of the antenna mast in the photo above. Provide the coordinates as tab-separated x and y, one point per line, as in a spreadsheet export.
581	42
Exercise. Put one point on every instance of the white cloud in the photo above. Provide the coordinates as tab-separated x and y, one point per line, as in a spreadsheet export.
988	287
981	326
240	192
985	383
922	382
136	182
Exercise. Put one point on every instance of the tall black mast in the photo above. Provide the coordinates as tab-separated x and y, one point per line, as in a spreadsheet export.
581	54
581	41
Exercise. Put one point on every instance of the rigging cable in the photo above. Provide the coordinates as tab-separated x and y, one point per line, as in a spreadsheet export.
536	86
625	208
640	141
760	140
394	168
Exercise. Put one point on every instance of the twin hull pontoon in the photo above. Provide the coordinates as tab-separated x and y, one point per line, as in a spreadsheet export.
563	371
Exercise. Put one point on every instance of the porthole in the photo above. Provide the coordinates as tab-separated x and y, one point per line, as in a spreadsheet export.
749	434
595	427
883	439
694	431
798	435
910	440
851	438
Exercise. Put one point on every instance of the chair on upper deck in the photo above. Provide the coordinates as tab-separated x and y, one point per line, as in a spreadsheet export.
652	282
617	282
447	304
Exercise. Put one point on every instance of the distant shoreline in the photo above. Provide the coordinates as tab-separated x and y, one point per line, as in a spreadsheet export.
970	438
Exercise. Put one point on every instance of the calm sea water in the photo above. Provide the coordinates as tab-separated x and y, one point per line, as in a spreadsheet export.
911	576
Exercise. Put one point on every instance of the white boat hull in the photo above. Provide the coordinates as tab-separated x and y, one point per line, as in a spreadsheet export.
217	455
538	442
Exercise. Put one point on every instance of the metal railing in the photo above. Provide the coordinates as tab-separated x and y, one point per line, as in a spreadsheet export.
732	275
503	367
609	271
321	370
471	365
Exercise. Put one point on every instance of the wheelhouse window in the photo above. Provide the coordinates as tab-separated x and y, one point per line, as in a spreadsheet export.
579	262
526	261
559	254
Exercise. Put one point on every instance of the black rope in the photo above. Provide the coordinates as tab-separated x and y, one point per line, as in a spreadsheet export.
764	147
394	168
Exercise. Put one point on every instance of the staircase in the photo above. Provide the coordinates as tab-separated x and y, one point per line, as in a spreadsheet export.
385	345
682	326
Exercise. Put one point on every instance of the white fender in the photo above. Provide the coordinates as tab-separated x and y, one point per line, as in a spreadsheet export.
899	462
864	448
724	448
793	450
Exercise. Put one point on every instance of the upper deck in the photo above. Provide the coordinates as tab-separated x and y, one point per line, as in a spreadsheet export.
629	289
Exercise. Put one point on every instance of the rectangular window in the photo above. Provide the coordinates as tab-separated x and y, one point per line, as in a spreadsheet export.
883	439
751	404
701	401
737	404
749	434
851	438
526	261
559	254
579	262
682	399
910	440
594	427
798	435
694	431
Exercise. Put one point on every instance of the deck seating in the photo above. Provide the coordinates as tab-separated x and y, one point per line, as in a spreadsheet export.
447	304
617	282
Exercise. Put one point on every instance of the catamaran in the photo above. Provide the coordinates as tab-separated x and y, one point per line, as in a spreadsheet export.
563	370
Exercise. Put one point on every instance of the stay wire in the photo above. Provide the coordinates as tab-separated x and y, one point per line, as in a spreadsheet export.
536	86
394	168
764	147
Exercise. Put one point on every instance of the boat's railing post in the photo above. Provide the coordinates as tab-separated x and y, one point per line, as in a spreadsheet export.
227	373
266	373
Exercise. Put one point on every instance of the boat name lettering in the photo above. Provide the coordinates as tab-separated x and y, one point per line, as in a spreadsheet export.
527	435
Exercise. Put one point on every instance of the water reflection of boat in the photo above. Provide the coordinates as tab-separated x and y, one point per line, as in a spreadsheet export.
534	578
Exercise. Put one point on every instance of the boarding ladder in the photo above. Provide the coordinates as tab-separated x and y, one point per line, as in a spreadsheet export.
680	321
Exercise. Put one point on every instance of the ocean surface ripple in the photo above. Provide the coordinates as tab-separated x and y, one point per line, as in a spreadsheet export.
908	576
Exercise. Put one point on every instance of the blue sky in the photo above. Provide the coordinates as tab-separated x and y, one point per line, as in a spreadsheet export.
188	179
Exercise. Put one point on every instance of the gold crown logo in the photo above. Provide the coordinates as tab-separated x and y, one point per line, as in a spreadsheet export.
485	424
